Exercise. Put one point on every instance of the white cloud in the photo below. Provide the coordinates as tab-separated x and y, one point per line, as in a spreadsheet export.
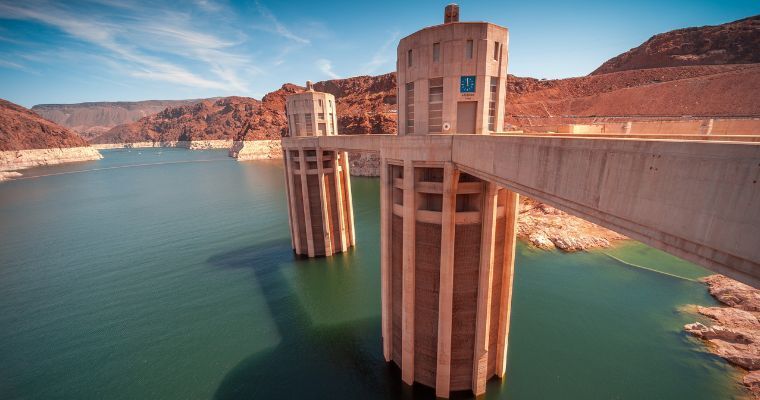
325	66
146	40
9	64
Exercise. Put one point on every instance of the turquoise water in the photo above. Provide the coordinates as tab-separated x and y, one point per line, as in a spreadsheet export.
168	274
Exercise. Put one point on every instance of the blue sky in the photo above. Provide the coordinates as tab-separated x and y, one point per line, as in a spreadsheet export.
110	50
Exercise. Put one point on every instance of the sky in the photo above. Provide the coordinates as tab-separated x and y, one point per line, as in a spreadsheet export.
111	50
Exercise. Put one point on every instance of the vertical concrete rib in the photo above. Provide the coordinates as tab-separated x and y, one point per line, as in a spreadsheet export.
304	168
386	189
349	198
505	309
339	188
323	199
485	289
288	196
295	223
446	286
407	295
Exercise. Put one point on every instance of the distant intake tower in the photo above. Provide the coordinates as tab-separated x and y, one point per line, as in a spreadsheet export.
319	189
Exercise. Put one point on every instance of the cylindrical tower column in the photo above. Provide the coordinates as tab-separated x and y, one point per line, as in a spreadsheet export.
447	247
319	199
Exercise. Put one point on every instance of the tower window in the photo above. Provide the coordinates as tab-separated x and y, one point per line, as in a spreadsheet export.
409	58
435	105
496	49
468	49
492	103
436	52
410	107
309	127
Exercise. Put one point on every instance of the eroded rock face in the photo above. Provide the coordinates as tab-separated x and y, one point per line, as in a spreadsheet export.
256	150
735	42
735	335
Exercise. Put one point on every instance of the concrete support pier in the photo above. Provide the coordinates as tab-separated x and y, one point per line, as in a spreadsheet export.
447	259
319	201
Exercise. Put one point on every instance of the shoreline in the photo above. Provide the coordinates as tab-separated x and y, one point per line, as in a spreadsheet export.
14	160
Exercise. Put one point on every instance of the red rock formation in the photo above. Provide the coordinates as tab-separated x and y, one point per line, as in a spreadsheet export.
21	129
735	42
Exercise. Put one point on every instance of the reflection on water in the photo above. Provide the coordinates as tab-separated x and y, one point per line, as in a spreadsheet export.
176	280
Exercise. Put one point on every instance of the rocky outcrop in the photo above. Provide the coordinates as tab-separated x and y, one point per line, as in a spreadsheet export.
735	333
364	164
256	150
735	42
547	228
93	119
28	140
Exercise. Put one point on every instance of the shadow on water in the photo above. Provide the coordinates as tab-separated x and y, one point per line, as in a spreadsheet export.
338	361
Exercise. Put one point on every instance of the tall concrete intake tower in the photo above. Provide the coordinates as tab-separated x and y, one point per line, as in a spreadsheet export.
448	238
319	189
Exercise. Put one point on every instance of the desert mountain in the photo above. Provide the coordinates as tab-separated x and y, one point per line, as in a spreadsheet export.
92	119
21	129
735	42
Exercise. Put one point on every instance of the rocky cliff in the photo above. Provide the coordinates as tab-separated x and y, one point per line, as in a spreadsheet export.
92	119
735	42
28	140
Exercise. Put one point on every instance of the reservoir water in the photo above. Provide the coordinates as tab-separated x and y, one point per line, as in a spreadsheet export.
168	274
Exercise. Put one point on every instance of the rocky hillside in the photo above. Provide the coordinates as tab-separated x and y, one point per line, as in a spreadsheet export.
710	90
222	119
735	42
21	129
92	119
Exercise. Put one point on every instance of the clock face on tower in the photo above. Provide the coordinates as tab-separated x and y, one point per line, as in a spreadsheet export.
467	84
